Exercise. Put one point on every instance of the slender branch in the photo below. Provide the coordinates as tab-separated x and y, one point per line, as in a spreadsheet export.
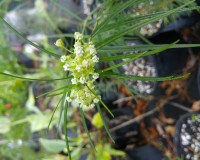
180	106
123	99
140	117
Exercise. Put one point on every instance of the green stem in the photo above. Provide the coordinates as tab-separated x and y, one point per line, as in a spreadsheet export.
65	129
101	101
86	129
28	41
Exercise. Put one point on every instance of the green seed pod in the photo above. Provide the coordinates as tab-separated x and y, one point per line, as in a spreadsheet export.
60	43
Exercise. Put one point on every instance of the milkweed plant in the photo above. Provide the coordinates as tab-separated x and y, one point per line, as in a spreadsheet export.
103	40
81	64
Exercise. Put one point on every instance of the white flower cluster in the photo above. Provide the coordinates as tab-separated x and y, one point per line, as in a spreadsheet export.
81	65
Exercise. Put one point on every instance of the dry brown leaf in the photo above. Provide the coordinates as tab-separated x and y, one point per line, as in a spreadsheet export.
170	129
196	106
153	132
169	121
124	90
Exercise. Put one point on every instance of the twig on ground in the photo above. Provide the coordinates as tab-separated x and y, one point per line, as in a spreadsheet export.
180	106
123	99
140	117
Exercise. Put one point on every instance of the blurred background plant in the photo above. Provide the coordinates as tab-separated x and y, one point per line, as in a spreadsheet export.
27	103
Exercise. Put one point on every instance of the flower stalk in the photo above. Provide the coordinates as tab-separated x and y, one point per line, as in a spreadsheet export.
81	65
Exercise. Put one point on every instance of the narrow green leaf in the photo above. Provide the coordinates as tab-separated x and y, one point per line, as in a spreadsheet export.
58	89
122	56
133	77
122	63
131	20
115	11
101	102
133	92
63	101
104	123
135	56
65	127
32	79
28	41
142	47
54	112
64	35
61	109
57	94
86	129
137	26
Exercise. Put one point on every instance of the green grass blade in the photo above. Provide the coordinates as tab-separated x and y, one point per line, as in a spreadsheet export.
104	123
101	102
61	109
58	89
132	91
133	77
57	94
135	57
142	47
122	63
137	26
54	112
28	41
86	129
63	102
64	35
32	79
119	57
129	21
115	11
65	129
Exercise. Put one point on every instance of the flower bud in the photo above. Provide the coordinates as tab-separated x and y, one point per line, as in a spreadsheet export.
78	36
59	43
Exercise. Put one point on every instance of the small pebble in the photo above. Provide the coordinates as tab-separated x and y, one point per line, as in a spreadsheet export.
190	138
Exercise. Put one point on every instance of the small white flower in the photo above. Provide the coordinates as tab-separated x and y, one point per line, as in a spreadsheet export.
74	81
95	59
82	80
92	105
95	76
85	63
77	45
88	94
96	100
91	45
78	50
87	108
63	58
92	48
66	67
78	68
78	36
